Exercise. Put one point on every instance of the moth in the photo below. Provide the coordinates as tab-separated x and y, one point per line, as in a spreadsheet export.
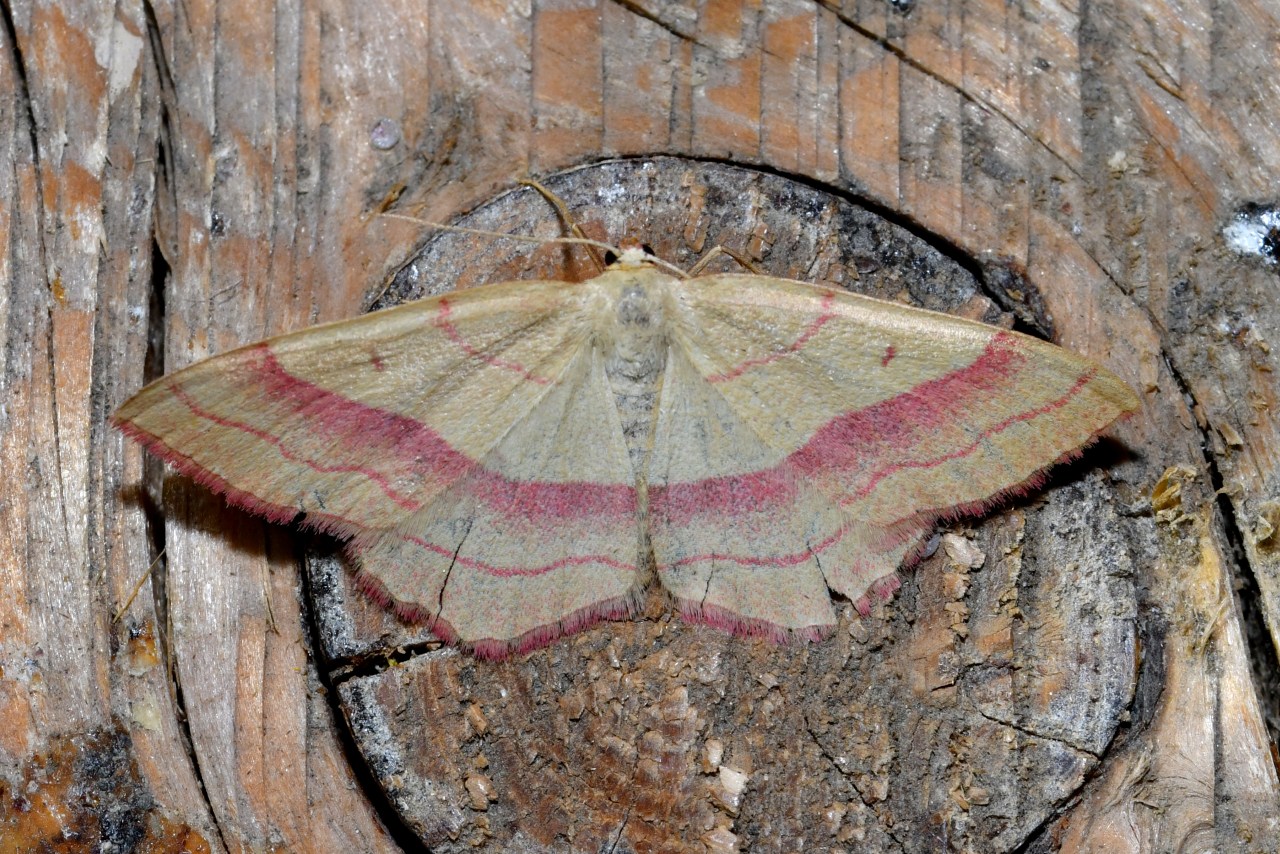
518	461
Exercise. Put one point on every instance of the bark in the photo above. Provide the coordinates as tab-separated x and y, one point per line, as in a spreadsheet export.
184	178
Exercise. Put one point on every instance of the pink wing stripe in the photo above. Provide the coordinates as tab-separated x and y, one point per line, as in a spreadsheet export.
411	448
775	560
795	346
442	321
849	441
521	571
419	449
230	423
1029	415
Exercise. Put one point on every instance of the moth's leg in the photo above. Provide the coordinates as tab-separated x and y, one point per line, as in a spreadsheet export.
715	252
563	210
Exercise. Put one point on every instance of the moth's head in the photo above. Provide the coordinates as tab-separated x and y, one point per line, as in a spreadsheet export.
631	254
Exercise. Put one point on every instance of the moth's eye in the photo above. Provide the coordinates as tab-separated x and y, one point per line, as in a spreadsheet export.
610	258
648	250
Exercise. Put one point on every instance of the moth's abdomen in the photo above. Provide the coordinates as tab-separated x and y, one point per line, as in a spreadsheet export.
634	347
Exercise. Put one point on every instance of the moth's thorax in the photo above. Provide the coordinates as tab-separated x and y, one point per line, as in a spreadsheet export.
635	334
631	336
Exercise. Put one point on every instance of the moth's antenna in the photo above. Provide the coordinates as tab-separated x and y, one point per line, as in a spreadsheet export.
718	250
502	235
563	210
593	246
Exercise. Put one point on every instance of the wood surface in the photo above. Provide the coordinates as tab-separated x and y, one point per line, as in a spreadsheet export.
184	178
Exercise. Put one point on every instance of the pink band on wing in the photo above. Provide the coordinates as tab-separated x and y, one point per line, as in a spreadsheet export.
286	452
852	442
792	559
993	430
520	571
404	446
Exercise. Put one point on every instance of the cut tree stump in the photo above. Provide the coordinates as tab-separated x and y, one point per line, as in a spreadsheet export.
1091	668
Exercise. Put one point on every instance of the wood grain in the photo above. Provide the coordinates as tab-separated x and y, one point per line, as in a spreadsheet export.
184	178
